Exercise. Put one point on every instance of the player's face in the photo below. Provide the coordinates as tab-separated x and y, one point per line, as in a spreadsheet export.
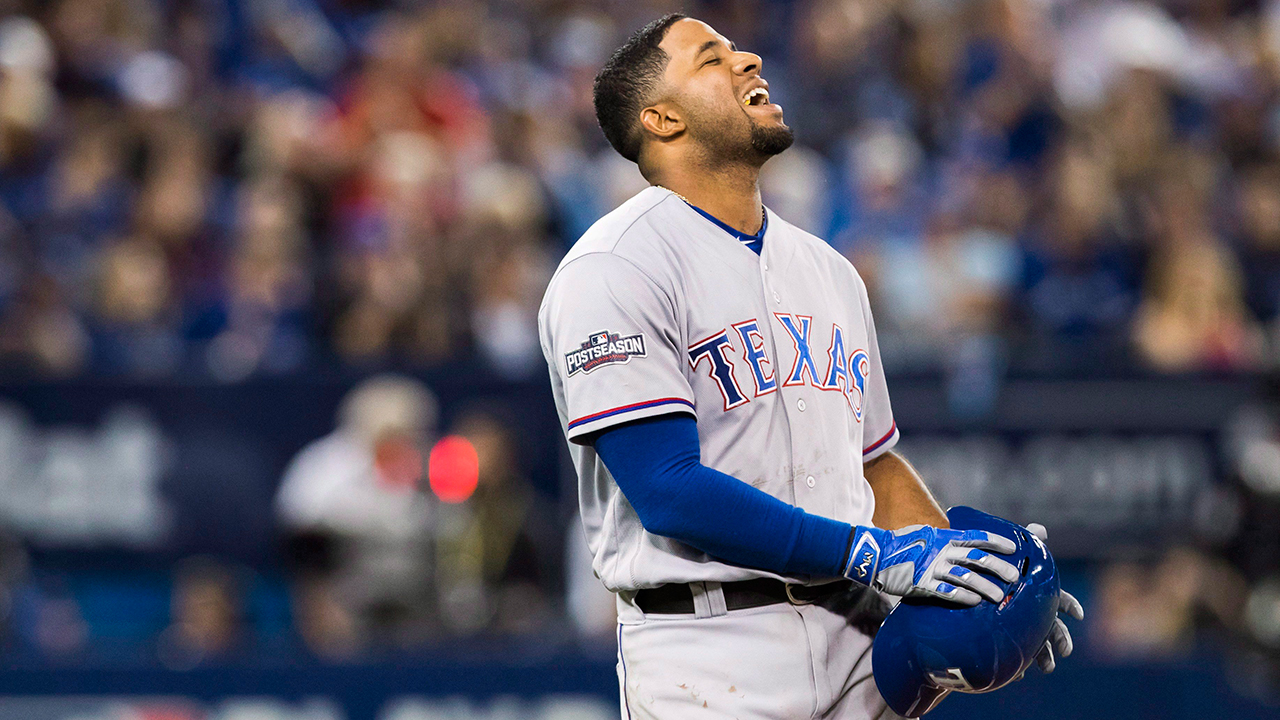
725	101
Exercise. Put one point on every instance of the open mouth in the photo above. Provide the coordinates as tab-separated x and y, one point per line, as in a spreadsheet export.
756	97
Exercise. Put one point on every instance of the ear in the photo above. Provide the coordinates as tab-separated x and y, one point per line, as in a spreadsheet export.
663	120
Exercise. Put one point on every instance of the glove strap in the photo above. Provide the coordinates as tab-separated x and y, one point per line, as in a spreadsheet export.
864	560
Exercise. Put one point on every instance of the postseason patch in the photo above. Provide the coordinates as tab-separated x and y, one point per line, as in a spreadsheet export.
604	348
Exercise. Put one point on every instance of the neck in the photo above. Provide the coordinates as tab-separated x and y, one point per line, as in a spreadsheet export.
729	193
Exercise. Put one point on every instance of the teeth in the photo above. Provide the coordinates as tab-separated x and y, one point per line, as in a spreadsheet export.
758	92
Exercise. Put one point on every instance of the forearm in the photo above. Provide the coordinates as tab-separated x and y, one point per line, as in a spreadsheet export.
656	465
902	498
736	523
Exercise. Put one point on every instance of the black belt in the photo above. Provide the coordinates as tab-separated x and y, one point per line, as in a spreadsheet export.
677	598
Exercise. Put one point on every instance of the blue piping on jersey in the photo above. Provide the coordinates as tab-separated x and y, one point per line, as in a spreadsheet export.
626	701
755	242
875	445
629	408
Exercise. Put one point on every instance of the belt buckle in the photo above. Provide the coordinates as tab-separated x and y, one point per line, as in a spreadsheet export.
792	598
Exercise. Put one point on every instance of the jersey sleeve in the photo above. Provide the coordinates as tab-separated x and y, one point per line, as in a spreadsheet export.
880	431
611	339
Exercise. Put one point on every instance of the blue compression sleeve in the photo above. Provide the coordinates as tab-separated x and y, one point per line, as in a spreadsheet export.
657	464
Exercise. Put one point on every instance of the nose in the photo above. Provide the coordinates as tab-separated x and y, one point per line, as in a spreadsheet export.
747	63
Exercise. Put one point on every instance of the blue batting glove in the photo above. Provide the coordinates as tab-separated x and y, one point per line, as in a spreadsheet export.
924	561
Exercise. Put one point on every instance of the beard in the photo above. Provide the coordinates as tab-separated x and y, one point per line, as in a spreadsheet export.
770	141
737	139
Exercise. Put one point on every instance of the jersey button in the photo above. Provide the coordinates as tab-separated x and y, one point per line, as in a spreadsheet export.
810	481
777	298
764	265
800	404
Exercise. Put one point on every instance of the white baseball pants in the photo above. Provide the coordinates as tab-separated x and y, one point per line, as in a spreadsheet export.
777	662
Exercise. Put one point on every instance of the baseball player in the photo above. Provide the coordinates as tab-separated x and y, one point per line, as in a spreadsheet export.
717	376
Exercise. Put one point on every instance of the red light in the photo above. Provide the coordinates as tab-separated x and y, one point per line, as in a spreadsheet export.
453	469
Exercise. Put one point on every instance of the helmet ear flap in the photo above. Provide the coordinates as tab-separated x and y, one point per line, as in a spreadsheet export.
925	650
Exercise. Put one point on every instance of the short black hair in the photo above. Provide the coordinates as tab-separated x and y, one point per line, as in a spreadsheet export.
623	86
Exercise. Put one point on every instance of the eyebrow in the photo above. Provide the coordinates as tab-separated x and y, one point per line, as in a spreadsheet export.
710	44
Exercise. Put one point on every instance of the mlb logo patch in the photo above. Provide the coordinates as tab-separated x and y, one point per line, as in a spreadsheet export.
604	348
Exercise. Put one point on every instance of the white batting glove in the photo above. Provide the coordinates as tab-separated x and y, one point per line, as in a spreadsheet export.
924	561
1059	637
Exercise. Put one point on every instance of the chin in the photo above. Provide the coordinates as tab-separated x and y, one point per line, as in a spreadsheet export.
770	140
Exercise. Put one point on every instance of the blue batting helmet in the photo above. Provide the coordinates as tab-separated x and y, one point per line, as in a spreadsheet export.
925	649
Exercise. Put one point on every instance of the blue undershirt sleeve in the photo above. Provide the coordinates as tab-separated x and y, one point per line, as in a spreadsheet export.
656	463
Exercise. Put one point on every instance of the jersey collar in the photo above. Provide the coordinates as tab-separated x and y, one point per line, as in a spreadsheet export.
756	240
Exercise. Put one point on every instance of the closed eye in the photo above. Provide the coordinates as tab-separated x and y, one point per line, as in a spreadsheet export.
711	61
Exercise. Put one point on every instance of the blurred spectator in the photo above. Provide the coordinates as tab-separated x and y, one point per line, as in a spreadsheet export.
27	97
258	319
496	548
358	524
1194	317
136	331
1080	278
1152	610
207	613
1260	231
509	280
951	286
15	568
48	617
885	197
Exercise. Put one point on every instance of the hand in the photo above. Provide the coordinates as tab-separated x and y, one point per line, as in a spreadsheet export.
924	561
1059	637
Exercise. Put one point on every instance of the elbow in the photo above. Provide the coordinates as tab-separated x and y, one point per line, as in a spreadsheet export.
666	510
660	524
666	522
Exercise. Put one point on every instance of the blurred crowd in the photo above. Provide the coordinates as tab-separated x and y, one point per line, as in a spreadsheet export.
387	548
229	188
399	527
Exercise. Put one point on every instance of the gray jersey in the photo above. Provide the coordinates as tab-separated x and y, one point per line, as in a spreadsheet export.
658	310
